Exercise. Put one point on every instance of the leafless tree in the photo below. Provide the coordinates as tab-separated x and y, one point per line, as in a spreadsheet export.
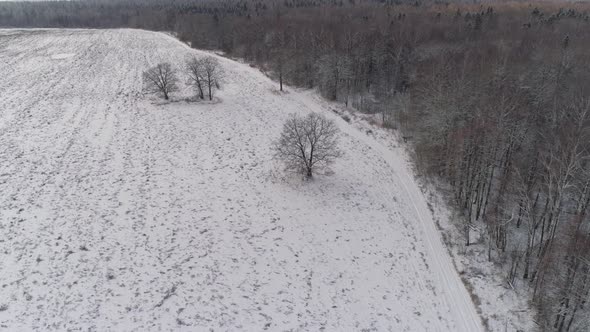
332	69
279	63
308	143
212	74
161	79
196	74
278	43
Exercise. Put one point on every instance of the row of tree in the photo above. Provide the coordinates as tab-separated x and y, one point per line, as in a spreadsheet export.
204	75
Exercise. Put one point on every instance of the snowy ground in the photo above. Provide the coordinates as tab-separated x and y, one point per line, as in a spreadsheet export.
120	212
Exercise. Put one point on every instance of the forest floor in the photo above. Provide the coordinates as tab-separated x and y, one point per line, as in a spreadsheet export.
119	211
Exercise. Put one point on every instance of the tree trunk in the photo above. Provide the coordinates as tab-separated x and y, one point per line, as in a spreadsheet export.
527	262
201	95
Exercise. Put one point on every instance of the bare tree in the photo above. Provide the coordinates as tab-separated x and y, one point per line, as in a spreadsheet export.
331	71
212	74
279	62
161	79
196	74
308	143
279	53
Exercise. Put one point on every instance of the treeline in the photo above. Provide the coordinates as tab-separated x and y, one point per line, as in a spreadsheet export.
495	99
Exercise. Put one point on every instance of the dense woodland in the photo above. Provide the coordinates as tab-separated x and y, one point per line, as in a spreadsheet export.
494	98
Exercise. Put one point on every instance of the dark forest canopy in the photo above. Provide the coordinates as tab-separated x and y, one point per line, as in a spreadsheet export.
494	99
138	13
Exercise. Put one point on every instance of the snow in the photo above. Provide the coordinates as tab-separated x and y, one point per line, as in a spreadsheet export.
122	212
62	56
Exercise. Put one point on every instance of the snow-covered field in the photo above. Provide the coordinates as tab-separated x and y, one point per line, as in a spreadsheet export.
119	212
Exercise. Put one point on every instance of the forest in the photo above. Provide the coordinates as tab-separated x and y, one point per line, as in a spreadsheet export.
493	97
